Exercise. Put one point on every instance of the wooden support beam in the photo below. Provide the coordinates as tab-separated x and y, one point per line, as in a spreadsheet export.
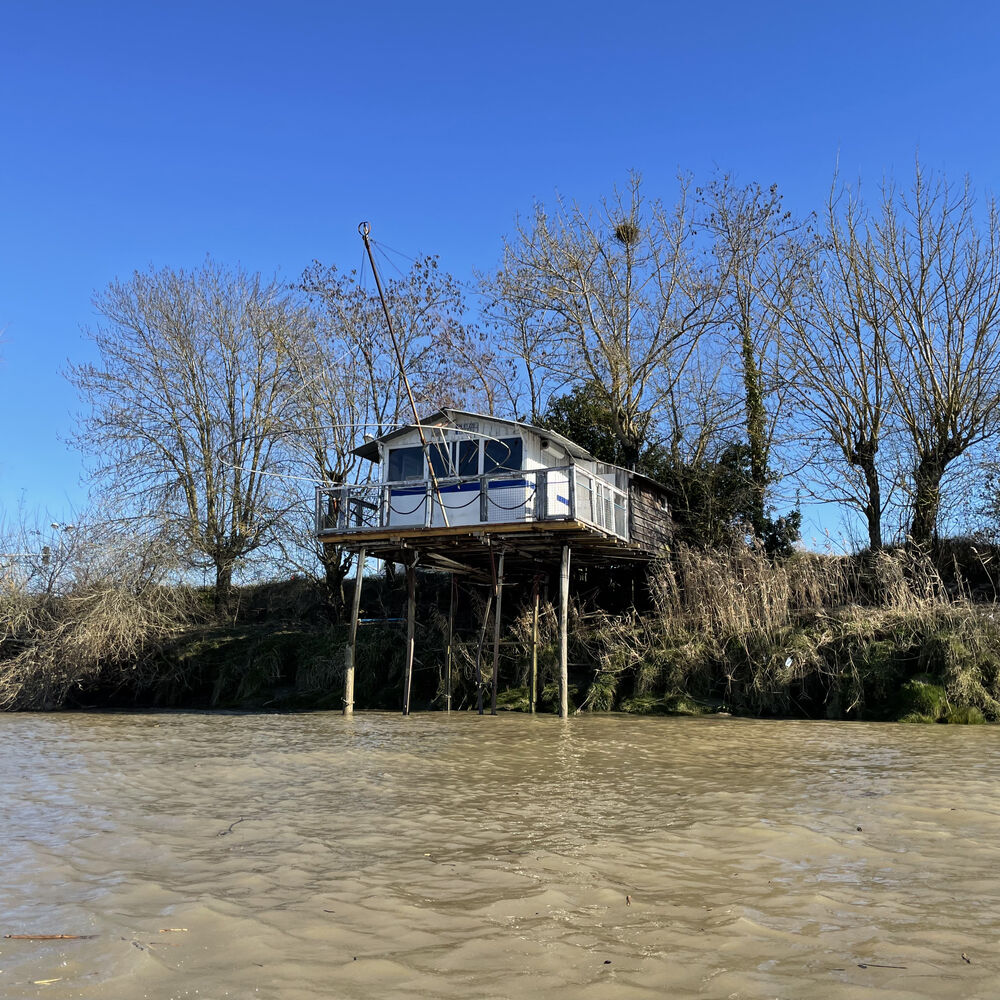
564	634
498	586
453	587
479	656
534	647
411	618
350	651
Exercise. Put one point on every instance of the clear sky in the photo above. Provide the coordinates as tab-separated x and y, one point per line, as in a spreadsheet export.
154	133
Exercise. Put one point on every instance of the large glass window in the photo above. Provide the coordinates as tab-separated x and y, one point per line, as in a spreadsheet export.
455	458
440	453
504	455
468	458
405	463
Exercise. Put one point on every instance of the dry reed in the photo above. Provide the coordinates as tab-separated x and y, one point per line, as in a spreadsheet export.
809	635
86	610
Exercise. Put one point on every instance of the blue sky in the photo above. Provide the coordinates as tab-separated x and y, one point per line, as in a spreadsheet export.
137	134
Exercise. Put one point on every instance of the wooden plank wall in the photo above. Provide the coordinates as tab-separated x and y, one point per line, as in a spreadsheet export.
650	524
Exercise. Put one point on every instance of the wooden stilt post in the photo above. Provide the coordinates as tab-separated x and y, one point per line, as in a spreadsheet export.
479	656
411	617
350	652
496	634
564	634
451	636
534	647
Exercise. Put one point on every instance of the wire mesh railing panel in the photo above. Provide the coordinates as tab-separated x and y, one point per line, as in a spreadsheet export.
554	500
601	504
563	493
510	499
455	502
347	508
405	505
583	508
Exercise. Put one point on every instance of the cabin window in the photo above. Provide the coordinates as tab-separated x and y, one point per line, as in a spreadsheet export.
455	458
504	455
405	463
441	460
468	458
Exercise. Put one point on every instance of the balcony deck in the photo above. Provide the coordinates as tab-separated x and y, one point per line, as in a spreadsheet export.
452	523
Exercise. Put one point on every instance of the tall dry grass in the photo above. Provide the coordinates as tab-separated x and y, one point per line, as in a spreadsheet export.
810	635
82	610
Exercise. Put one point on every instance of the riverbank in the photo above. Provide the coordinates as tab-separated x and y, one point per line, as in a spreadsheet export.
884	637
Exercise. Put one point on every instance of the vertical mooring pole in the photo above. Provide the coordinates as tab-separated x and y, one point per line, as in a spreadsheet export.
534	647
496	634
411	618
479	655
564	634
350	652
451	637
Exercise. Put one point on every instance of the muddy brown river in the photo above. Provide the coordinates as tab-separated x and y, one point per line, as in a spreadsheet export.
312	856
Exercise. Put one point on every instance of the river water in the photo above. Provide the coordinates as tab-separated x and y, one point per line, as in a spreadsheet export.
313	856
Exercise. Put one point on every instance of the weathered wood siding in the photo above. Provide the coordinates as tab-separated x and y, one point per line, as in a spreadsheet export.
650	524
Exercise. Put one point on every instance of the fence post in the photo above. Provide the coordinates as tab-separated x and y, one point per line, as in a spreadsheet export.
541	495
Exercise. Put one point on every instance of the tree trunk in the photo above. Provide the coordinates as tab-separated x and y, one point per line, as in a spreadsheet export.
873	513
334	574
756	430
863	457
223	587
630	452
926	501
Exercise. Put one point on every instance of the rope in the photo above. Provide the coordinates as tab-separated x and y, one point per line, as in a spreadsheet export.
462	506
523	503
406	513
388	260
473	289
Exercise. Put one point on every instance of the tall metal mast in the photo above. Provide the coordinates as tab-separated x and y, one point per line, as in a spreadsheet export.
365	230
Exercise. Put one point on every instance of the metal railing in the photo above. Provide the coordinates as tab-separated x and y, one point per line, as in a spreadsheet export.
565	493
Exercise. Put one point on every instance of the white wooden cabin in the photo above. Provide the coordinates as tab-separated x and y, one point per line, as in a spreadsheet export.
484	477
469	493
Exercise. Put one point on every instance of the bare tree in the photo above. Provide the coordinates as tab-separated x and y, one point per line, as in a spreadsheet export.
350	382
427	306
185	404
528	369
623	294
837	371
936	260
762	253
897	359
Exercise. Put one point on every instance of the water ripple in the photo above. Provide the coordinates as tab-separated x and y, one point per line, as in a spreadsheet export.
312	856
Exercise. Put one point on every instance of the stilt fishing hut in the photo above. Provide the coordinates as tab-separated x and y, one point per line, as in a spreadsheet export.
494	500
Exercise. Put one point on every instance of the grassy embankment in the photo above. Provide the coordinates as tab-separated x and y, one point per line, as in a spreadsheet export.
868	637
